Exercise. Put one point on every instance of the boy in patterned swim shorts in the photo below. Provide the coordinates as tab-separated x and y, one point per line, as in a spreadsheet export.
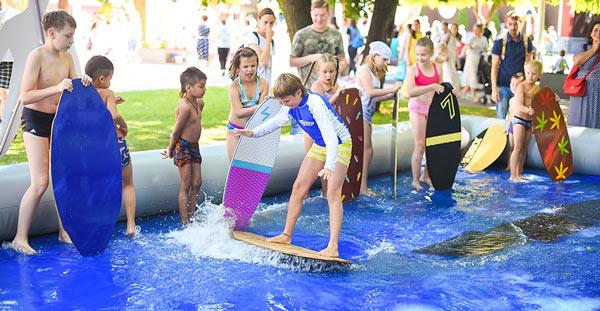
101	70
183	146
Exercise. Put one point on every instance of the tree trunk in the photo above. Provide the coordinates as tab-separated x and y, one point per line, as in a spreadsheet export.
494	9
382	22
297	15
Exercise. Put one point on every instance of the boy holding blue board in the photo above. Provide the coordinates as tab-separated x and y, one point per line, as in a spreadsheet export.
48	72
328	157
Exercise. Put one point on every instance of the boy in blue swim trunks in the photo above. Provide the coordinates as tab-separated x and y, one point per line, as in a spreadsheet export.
183	145
101	70
328	157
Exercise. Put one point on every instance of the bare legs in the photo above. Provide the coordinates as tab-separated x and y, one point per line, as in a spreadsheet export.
522	137
306	177
418	124
129	199
190	180
38	155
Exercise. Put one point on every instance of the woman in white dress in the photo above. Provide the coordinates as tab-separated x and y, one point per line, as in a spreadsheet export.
477	45
451	42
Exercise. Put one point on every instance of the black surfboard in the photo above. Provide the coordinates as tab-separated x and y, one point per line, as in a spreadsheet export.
442	138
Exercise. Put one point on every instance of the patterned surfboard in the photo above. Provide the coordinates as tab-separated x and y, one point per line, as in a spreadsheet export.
251	167
551	135
349	108
443	134
86	169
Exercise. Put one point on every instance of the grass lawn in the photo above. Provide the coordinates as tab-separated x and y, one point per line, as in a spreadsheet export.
151	116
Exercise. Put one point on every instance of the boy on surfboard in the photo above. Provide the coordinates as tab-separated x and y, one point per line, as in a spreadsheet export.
101	70
183	146
48	72
328	157
521	118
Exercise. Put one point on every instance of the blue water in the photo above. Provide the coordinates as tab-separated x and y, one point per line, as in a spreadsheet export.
200	267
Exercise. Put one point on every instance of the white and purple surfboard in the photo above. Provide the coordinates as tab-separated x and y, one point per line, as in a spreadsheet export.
251	167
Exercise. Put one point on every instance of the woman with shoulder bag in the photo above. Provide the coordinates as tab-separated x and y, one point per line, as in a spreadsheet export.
583	83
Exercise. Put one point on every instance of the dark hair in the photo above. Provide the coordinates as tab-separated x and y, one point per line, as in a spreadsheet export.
57	19
265	11
562	53
190	76
395	33
413	32
428	34
234	66
589	39
204	18
446	24
98	66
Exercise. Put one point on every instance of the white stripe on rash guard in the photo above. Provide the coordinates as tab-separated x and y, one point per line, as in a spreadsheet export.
318	119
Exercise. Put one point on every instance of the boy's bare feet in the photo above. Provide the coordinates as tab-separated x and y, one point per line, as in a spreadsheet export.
330	252
416	185
22	247
64	237
427	180
132	231
283	238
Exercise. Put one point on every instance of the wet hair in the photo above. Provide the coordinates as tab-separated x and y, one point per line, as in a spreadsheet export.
327	58
190	76
287	84
535	64
98	66
234	66
319	4
265	11
57	19
425	42
518	76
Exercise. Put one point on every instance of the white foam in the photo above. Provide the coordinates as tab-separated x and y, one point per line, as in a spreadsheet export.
568	304
209	236
383	247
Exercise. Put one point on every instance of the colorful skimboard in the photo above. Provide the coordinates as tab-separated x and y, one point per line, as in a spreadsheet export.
484	149
86	168
442	143
251	167
349	108
292	250
551	135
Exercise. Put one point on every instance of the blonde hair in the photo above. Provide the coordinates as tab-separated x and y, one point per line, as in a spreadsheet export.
512	14
425	42
287	84
319	4
327	58
370	61
535	64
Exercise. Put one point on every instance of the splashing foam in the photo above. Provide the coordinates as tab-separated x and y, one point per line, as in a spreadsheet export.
383	247
209	236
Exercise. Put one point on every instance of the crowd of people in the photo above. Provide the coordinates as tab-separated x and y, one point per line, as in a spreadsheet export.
319	54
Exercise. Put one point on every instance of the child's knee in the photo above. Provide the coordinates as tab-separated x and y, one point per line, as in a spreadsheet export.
420	148
39	185
197	183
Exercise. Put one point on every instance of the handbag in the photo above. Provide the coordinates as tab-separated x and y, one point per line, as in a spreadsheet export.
574	86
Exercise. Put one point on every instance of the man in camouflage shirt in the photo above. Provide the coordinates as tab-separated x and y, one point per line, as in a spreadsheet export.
310	41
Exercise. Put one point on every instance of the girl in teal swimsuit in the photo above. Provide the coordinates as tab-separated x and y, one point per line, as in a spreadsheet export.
244	81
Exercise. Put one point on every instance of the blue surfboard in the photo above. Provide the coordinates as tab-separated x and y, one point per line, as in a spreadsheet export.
86	168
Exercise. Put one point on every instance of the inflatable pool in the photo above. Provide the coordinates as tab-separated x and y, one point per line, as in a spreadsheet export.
156	180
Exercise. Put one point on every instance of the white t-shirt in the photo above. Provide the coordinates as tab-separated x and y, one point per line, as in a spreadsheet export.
223	36
263	71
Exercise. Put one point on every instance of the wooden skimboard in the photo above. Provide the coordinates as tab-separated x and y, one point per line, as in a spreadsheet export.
484	149
442	143
551	135
349	108
86	168
251	167
292	250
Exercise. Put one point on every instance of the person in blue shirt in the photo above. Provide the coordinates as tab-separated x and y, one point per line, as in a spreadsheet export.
328	157
509	55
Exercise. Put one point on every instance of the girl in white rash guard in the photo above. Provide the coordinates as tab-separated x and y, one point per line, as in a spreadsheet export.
328	157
